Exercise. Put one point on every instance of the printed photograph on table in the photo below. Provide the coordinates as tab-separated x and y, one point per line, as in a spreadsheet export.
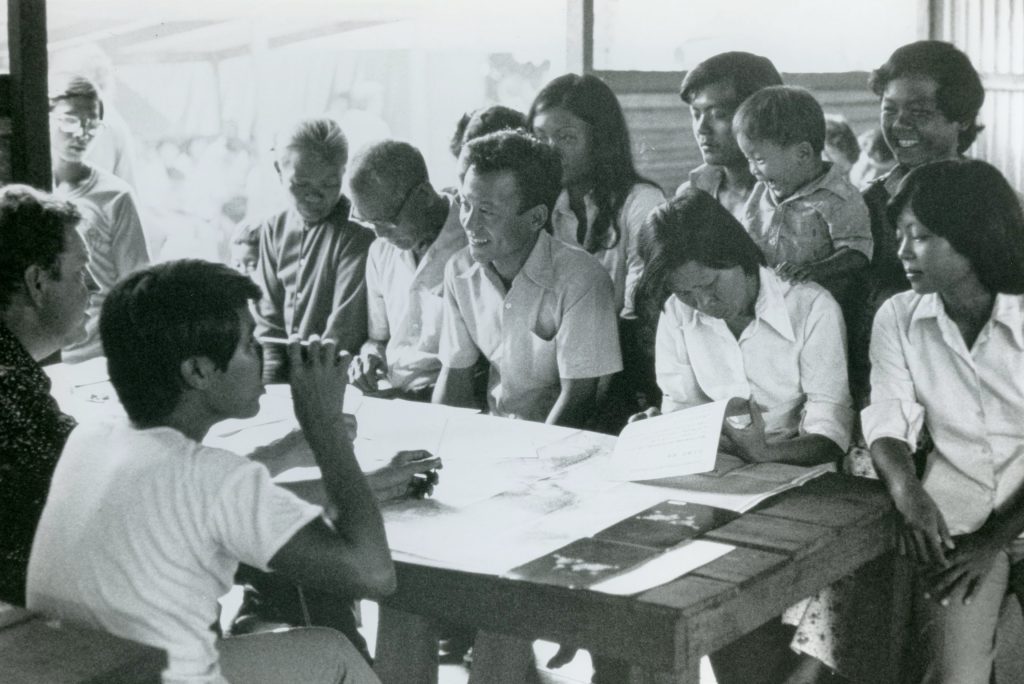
667	524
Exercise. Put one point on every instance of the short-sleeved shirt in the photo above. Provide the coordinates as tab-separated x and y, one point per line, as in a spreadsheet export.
622	260
811	224
32	433
406	303
143	531
557	320
313	278
112	230
791	360
971	400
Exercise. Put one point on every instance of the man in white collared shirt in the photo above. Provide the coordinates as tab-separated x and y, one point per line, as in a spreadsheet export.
542	312
418	230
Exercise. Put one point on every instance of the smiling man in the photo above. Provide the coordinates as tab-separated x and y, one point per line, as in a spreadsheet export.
312	257
541	312
44	289
419	231
714	90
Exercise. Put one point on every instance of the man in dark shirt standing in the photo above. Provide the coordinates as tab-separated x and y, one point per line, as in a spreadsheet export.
44	289
312	257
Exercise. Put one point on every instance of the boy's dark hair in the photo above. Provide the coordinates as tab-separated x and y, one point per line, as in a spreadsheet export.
693	226
839	135
158	317
960	93
322	136
69	86
32	227
390	166
745	72
483	121
970	204
537	167
784	115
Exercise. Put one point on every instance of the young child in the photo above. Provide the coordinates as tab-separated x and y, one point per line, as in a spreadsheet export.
804	214
245	248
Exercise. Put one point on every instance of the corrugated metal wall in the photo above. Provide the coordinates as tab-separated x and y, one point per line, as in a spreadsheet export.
991	32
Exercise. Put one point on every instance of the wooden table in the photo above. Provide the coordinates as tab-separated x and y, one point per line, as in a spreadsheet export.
787	549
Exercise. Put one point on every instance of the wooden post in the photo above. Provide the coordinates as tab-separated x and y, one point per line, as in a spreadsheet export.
29	105
580	37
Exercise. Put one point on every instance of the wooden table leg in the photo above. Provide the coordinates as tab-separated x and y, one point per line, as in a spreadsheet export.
501	659
406	650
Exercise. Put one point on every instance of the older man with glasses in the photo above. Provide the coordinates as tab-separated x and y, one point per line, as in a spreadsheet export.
419	231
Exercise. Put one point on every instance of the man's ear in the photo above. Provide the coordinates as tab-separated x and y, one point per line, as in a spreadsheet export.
35	280
806	151
197	372
538	217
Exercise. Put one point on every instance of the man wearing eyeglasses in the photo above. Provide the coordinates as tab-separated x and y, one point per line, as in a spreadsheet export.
110	222
419	231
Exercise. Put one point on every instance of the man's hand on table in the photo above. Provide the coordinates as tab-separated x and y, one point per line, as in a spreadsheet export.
409	474
367	370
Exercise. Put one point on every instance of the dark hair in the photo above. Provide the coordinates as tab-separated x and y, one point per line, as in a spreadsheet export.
483	121
960	93
32	227
692	226
158	317
321	136
970	204
745	72
390	166
246	233
537	167
68	86
589	98
784	115
839	135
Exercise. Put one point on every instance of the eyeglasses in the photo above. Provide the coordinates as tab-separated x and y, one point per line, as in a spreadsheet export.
391	223
72	125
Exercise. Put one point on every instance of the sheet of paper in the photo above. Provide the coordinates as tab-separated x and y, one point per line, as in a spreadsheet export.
678	443
663	568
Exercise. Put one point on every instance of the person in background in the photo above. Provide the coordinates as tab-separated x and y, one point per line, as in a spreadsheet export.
731	328
602	207
841	146
947	357
418	230
110	222
312	263
44	290
713	90
245	249
144	526
803	213
875	160
930	95
482	121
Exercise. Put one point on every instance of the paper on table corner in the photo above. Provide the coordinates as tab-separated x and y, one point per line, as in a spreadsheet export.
664	567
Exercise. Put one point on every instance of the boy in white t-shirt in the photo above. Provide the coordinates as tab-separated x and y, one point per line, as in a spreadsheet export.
144	526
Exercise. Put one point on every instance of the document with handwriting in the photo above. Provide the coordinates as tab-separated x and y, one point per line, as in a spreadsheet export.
679	443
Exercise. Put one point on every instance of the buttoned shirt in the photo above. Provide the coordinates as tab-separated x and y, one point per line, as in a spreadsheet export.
406	303
621	260
32	434
313	278
791	360
971	400
811	224
556	321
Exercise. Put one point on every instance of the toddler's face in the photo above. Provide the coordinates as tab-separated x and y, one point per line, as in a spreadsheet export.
244	257
783	168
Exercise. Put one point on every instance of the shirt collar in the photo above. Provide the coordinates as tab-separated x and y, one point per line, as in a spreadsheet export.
770	306
538	266
14	355
1007	310
707	178
831	181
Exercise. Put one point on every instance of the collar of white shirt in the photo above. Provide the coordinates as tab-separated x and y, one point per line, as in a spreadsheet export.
1007	310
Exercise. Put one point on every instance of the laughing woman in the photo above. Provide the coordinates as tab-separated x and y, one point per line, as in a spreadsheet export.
948	356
